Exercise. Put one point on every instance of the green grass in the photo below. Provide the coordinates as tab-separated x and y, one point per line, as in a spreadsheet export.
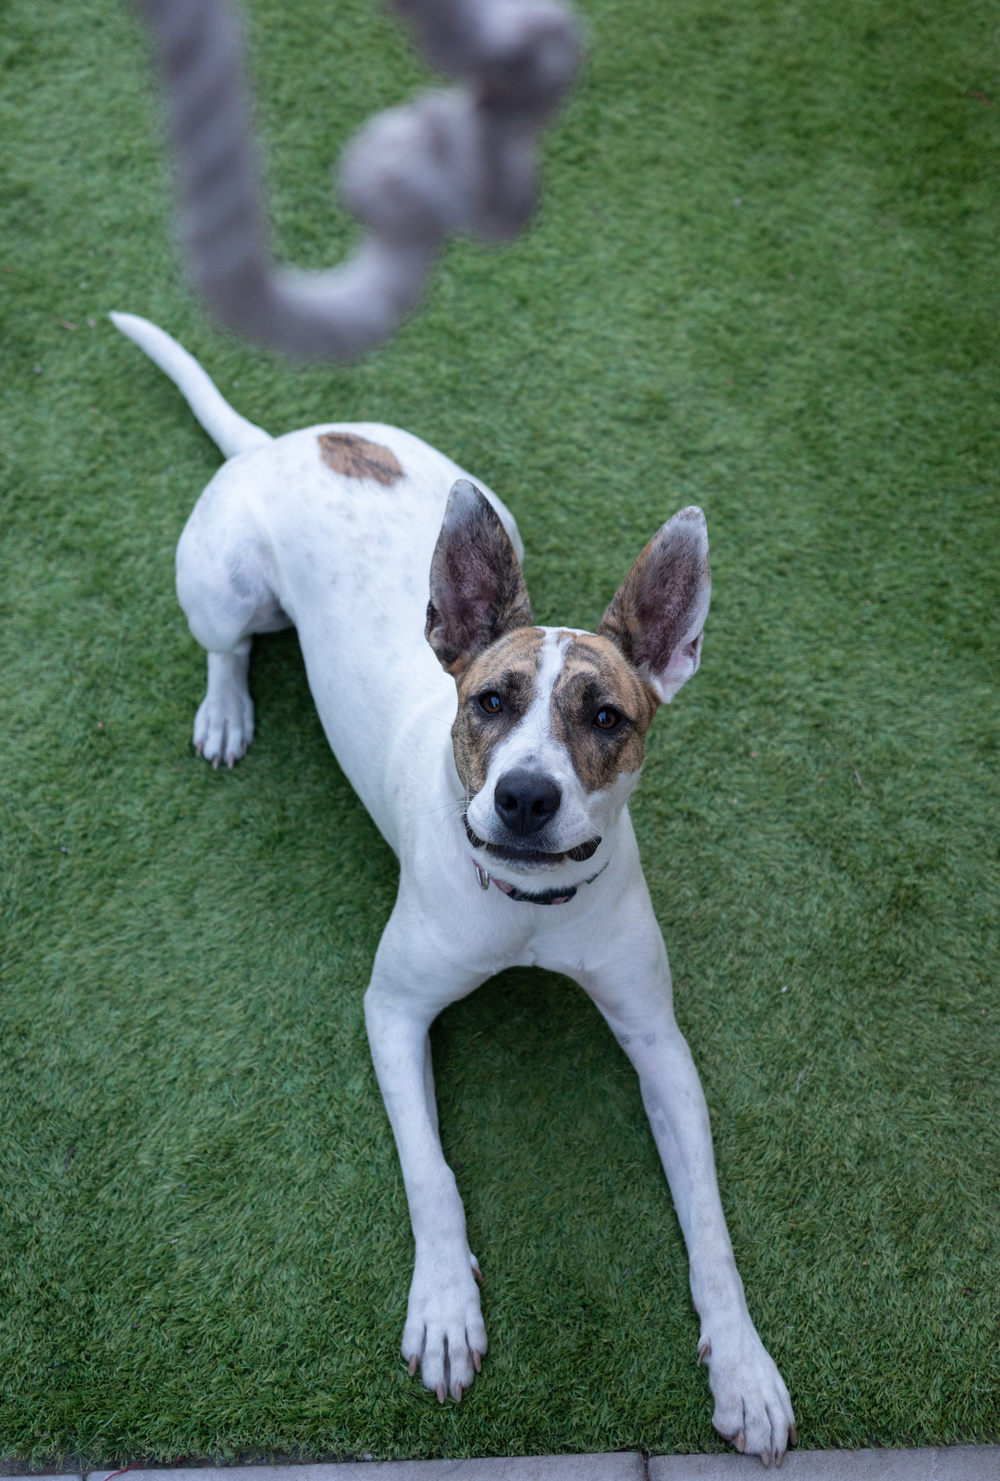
204	1246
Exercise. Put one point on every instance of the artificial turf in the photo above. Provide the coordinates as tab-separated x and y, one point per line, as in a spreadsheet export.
764	279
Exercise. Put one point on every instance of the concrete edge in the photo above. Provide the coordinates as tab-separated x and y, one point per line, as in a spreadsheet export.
944	1463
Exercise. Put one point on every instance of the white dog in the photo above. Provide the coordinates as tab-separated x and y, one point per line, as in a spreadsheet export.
497	760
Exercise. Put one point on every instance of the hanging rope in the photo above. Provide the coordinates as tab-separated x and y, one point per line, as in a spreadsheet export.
456	161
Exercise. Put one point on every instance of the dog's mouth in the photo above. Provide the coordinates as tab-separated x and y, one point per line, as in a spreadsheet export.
578	855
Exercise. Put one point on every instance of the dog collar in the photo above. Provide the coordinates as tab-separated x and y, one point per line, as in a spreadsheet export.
545	897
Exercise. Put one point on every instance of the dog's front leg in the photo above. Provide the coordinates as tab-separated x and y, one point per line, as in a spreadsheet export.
444	1330
633	992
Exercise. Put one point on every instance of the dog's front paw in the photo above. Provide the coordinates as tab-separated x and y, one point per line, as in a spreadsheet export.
752	1407
444	1332
223	726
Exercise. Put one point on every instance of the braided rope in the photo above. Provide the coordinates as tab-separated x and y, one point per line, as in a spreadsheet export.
461	160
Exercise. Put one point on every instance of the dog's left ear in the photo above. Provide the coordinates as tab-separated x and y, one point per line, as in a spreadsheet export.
477	590
659	611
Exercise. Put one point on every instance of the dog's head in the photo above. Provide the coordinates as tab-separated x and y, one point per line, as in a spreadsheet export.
551	722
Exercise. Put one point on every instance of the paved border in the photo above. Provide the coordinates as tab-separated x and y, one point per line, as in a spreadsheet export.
950	1463
621	1466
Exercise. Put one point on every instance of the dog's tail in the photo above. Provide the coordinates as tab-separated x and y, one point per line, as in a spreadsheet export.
233	433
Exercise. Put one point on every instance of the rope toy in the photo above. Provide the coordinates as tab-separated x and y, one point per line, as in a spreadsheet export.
455	161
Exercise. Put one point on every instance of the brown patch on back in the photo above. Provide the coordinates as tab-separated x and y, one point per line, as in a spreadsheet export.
594	674
508	668
356	457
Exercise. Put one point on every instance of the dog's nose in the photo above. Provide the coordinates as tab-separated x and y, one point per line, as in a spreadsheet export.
525	801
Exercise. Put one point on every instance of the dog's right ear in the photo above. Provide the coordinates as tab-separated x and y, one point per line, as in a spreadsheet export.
477	590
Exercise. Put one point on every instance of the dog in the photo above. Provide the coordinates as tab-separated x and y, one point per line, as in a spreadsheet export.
497	759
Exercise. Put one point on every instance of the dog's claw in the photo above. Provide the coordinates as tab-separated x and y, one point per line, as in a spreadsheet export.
704	1351
457	1393
223	724
477	1360
412	1364
779	1456
793	1434
753	1411
440	1393
477	1275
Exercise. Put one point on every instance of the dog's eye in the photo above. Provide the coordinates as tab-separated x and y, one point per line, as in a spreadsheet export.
490	703
607	718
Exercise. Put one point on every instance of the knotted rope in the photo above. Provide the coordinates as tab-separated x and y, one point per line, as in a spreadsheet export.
456	161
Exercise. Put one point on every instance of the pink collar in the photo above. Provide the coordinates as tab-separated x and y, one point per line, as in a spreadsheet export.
545	897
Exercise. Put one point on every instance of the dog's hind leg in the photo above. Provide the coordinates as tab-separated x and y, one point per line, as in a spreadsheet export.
223	725
224	588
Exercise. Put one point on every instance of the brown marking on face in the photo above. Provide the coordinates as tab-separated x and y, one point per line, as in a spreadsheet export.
356	457
508	668
595	675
